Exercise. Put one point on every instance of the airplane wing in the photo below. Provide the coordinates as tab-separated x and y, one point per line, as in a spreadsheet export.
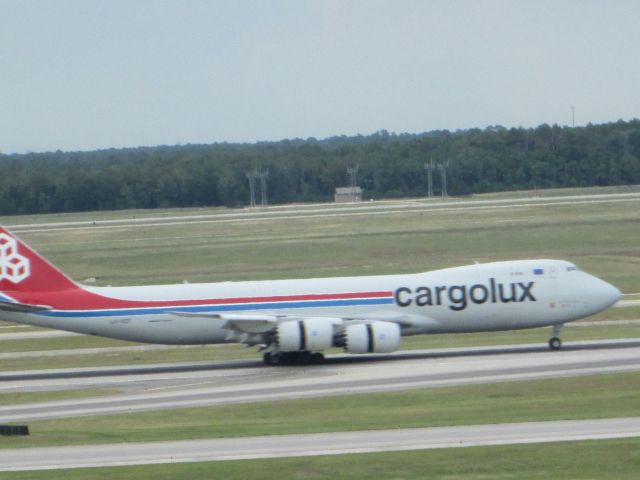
263	323
240	322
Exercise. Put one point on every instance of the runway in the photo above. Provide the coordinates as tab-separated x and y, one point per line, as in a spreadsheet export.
314	444
203	384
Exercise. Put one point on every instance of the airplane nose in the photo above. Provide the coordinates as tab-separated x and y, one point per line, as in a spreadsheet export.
616	294
606	294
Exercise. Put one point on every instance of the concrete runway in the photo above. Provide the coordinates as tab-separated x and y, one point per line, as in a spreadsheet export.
202	384
314	444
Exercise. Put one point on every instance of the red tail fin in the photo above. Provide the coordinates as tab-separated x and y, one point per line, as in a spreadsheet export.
22	270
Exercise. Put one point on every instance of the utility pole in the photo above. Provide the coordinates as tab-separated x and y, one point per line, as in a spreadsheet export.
263	175
443	176
351	173
573	115
429	168
252	187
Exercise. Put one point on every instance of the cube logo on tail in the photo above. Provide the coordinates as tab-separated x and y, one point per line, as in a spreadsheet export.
13	266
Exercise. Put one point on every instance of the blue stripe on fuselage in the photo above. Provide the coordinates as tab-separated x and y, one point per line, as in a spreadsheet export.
218	308
6	299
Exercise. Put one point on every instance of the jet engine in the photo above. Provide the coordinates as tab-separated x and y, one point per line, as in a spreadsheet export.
310	334
374	337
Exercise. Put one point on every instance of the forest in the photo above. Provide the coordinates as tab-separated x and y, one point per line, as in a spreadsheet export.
308	170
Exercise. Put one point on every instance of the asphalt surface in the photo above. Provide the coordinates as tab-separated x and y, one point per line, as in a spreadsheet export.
314	444
203	384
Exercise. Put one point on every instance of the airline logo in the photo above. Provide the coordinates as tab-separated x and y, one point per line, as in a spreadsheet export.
13	266
457	297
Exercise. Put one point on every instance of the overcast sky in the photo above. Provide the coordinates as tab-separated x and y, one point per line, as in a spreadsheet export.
89	74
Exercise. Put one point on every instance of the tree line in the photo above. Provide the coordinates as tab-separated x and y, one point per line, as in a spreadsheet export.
390	165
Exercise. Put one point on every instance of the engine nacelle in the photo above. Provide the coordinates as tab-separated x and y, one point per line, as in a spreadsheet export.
310	334
374	337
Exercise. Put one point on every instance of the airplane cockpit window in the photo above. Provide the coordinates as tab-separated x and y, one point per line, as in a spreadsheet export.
572	268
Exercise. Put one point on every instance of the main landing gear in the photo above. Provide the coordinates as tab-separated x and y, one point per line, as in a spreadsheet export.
293	358
555	343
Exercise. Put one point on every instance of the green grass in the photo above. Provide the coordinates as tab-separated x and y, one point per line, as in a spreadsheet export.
601	459
599	396
13	328
191	354
626	313
560	192
56	343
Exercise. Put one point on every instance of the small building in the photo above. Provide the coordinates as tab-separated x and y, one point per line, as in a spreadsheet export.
348	194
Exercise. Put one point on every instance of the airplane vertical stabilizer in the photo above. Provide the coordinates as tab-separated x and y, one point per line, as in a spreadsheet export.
23	271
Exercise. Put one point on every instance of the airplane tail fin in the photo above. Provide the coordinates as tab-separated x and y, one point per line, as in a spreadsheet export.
23	272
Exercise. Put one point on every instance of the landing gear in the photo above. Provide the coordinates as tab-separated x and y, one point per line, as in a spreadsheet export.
271	358
555	343
293	358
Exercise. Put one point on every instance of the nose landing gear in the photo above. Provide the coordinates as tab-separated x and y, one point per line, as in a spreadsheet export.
555	343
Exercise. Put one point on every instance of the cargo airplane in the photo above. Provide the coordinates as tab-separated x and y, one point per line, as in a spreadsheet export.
294	321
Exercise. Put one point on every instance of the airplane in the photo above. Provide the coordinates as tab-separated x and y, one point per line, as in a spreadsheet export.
294	321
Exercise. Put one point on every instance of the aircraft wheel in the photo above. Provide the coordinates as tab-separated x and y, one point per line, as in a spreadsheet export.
271	358
300	358
293	358
555	343
267	359
317	358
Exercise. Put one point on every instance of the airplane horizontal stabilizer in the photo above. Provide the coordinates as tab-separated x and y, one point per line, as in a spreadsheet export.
22	308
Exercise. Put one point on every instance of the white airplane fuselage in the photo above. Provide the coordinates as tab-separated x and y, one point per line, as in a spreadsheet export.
483	297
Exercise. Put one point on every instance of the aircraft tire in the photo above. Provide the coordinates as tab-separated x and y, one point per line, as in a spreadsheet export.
555	343
271	358
293	358
266	358
317	358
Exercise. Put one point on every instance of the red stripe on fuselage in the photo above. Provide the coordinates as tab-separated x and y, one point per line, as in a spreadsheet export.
80	299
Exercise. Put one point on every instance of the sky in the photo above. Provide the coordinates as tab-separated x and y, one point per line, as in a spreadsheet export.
88	74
